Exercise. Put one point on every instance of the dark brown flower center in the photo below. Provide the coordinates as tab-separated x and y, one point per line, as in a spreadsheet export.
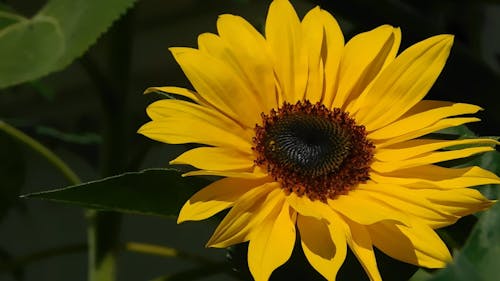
312	150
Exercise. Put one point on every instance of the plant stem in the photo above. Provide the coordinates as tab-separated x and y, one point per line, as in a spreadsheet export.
36	146
163	251
197	273
104	227
142	248
102	232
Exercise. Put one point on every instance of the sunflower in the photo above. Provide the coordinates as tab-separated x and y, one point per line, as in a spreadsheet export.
326	139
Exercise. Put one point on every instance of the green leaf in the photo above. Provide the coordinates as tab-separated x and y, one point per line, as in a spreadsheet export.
82	22
7	18
28	49
478	260
489	161
462	131
159	192
61	32
12	171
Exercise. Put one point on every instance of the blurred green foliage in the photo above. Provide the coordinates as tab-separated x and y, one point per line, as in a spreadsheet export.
53	38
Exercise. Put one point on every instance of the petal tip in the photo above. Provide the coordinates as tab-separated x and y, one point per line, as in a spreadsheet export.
142	130
149	90
209	244
446	39
180	219
176	51
214	244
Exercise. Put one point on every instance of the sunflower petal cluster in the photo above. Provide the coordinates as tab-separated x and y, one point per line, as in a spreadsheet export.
241	76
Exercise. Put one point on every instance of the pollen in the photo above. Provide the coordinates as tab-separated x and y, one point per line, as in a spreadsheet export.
313	151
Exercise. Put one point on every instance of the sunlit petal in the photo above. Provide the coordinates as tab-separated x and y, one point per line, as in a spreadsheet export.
272	243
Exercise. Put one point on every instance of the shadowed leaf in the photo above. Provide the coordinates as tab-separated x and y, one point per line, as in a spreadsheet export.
159	192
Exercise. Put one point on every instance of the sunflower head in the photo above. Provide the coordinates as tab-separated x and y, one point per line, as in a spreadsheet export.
313	151
323	136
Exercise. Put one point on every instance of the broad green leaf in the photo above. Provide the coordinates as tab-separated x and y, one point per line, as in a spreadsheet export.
61	32
159	192
459	132
478	260
29	48
82	22
12	171
462	131
490	161
7	18
421	275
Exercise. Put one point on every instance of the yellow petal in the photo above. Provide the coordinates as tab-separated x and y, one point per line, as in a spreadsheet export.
360	242
367	211
312	29
360	64
410	202
418	244
403	83
428	158
458	202
325	250
215	197
244	174
431	176
216	158
442	124
272	243
396	32
247	213
284	36
249	51
412	148
165	109
332	54
423	114
216	81
192	95
176	130
306	207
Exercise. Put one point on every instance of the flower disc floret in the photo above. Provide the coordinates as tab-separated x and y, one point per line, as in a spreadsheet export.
313	151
